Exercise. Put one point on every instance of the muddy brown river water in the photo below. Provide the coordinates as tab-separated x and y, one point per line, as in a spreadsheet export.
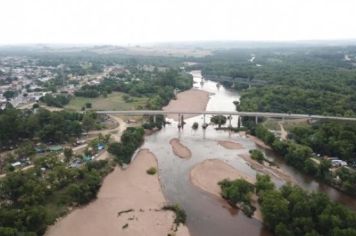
208	215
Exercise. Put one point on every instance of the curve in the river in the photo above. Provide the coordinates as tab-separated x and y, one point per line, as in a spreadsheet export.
207	215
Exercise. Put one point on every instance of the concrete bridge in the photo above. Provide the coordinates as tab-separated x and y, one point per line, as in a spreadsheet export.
181	114
228	113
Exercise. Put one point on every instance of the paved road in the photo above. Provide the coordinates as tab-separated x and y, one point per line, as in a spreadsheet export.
237	113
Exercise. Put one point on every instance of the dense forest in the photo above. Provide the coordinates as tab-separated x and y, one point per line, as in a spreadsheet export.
33	199
289	210
300	156
334	139
311	80
40	124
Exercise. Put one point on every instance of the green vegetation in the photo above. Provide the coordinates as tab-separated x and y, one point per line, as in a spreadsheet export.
56	127
33	199
263	183
257	155
131	139
114	101
218	120
9	94
311	80
157	86
151	171
336	139
300	157
55	101
292	211
154	122
181	216
239	192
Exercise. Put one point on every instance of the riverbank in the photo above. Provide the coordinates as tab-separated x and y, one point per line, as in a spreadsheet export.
267	169
258	142
192	100
219	170
179	149
128	203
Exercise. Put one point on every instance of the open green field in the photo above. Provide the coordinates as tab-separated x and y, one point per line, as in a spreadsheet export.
273	124
113	101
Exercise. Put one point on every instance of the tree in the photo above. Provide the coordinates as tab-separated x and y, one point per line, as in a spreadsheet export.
115	148
257	155
282	230
218	120
68	153
88	105
310	167
88	122
236	191
35	106
324	169
26	149
263	183
274	209
9	94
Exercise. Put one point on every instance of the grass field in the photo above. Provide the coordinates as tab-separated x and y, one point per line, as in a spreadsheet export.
273	124
113	101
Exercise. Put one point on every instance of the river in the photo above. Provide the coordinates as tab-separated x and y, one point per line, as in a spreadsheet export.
208	215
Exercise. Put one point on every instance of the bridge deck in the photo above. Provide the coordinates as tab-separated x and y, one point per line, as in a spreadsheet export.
233	113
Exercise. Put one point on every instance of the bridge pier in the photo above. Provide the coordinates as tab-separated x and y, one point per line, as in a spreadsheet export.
230	118
154	119
182	121
239	122
179	121
256	120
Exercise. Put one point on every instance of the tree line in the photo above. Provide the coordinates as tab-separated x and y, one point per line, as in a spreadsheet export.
33	199
307	80
300	155
158	86
131	139
50	127
289	210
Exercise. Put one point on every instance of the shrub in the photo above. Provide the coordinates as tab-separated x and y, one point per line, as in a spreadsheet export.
181	216
257	155
151	171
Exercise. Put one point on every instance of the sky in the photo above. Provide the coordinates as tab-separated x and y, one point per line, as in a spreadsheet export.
128	22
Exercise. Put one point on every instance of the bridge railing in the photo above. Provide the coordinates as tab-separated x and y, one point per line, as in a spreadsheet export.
232	113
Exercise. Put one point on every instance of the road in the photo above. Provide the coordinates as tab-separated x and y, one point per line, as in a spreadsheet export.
115	134
284	133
